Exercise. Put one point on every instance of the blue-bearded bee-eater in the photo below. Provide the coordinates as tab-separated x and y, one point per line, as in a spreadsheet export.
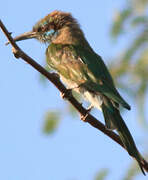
82	70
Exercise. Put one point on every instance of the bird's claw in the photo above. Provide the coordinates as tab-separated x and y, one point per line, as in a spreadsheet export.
56	75
84	117
67	94
90	108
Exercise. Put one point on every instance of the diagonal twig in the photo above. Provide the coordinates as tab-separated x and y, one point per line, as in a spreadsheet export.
18	53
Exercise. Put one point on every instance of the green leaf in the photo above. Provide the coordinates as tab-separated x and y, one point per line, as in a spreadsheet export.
101	175
51	122
140	20
139	6
132	172
138	43
120	19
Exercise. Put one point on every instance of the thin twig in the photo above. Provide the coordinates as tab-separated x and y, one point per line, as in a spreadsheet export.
18	53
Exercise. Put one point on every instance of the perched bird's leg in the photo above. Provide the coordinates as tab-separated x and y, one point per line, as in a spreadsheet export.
56	75
84	117
90	108
67	94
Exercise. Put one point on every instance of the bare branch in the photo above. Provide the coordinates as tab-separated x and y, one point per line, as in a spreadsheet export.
18	53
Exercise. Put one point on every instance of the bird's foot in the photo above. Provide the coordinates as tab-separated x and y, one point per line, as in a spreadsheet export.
55	75
90	108
84	117
67	94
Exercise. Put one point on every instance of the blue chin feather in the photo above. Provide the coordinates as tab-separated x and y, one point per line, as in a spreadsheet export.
50	33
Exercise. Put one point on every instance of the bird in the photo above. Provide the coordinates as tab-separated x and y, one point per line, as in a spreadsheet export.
81	69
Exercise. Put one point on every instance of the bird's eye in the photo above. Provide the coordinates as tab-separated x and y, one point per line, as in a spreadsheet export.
39	29
52	26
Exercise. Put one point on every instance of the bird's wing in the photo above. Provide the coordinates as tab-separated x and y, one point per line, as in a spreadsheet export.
96	65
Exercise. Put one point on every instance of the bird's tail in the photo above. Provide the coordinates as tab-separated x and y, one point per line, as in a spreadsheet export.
114	120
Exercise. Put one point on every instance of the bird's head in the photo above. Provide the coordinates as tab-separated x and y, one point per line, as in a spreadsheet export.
56	26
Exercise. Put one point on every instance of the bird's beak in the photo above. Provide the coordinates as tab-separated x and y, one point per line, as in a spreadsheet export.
24	36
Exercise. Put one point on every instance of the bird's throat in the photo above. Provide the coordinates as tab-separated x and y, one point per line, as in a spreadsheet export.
68	36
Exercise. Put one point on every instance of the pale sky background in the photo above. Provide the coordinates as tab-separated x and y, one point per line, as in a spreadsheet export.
76	151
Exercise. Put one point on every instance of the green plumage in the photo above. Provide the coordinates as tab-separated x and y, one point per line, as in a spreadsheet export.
81	69
83	66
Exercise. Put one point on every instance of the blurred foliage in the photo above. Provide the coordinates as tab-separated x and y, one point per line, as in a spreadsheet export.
132	172
120	19
51	122
53	117
131	71
102	174
129	68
